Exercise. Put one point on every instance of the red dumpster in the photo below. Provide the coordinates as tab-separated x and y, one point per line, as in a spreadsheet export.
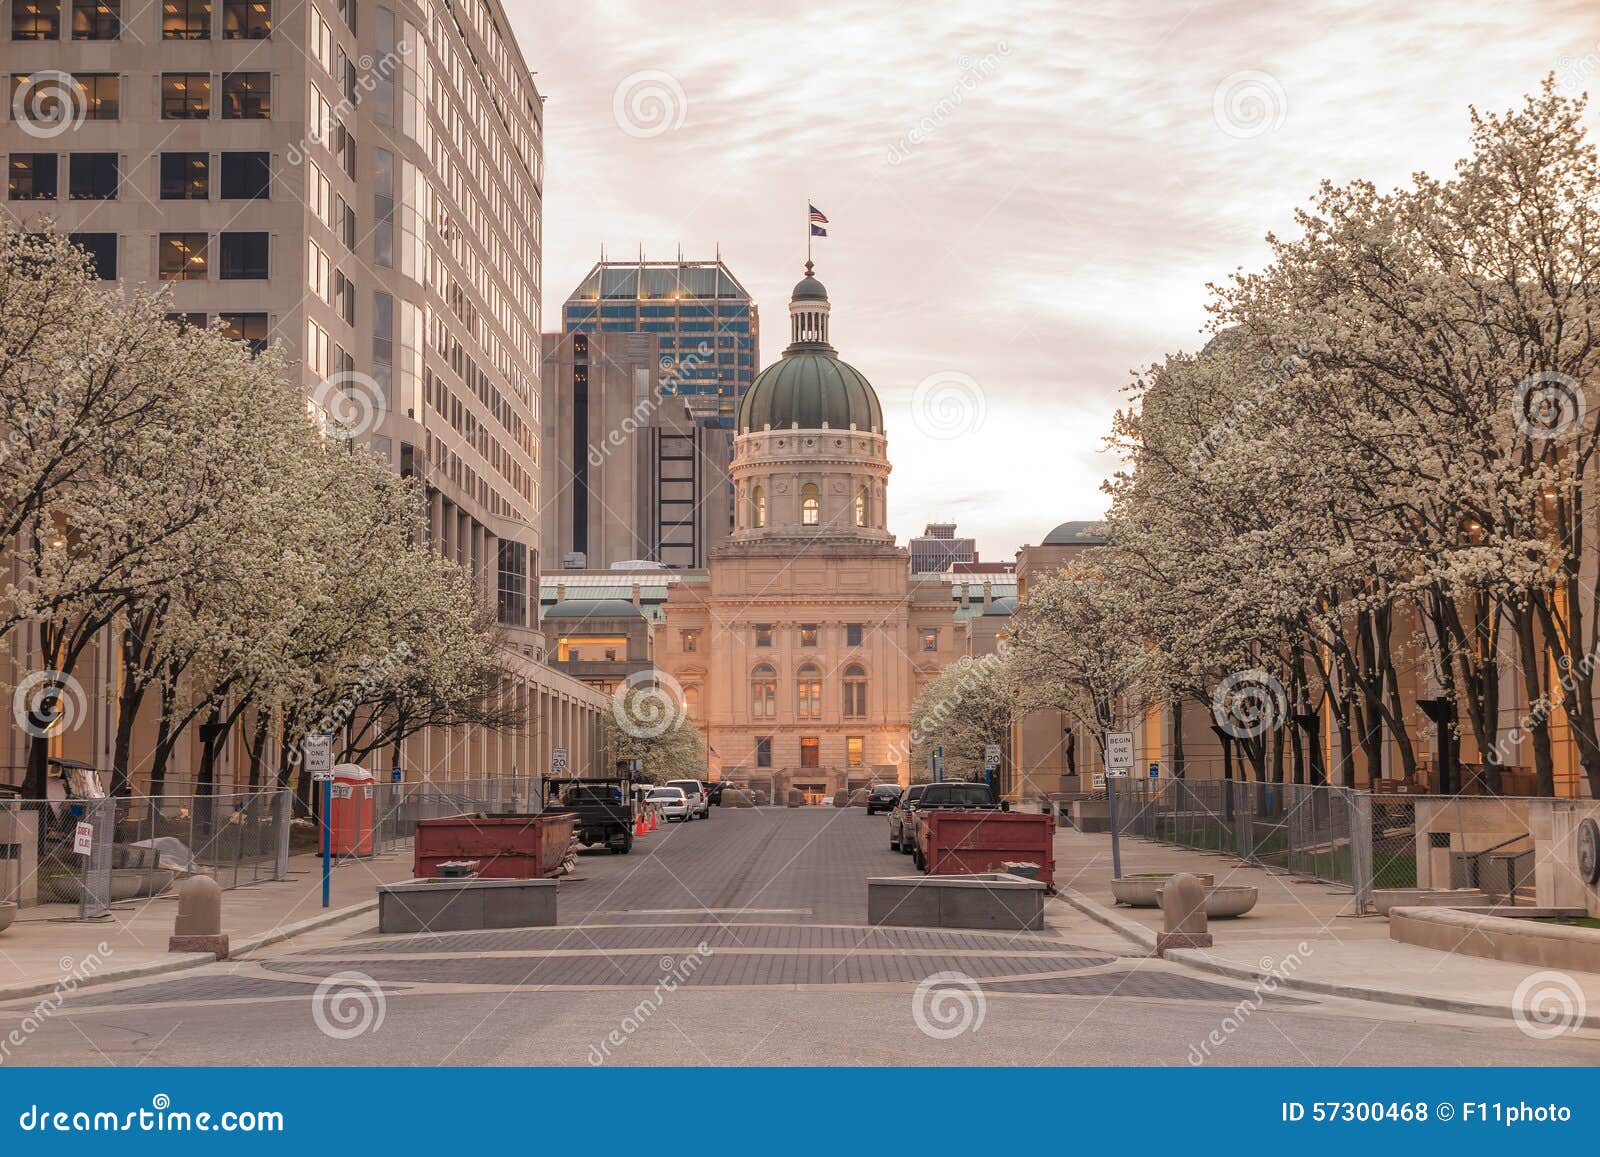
507	847
958	843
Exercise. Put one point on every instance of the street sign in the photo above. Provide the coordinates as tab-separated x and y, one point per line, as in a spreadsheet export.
558	761
1097	782
317	751
991	756
1119	751
1155	771
83	839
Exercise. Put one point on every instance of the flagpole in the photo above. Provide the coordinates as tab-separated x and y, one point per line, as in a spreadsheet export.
808	231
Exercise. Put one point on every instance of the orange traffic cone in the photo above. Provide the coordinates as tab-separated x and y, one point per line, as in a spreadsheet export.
638	826
655	820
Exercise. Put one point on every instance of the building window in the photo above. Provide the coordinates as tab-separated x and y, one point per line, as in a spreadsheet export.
861	506
35	19
691	702
855	692
185	19
101	94
185	176
183	257
808	692
243	257
855	751
102	251
810	752
31	177
763	634
764	751
246	19
758	507
245	176
810	505
188	320
246	327
689	641
383	208
92	176
97	20
930	639
852	634
513	606
763	693
185	96
246	96
808	634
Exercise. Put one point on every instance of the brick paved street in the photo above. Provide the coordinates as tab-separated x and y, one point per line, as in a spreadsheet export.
757	918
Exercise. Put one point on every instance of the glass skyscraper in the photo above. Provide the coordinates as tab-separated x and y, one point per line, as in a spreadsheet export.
706	321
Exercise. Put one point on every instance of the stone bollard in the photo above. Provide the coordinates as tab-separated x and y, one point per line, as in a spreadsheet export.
796	797
198	927
1183	915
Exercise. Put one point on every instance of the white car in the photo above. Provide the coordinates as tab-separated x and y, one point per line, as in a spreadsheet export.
699	798
671	802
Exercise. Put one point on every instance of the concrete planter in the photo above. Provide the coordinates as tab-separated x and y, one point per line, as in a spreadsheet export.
996	900
1498	937
1142	890
466	905
1091	815
1225	900
8	913
1384	899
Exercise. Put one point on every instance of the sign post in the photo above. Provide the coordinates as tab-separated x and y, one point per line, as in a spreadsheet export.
318	763
1119	760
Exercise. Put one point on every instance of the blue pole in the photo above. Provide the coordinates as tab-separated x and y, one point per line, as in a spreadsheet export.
327	839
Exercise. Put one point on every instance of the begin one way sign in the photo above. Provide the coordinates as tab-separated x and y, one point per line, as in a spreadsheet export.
1119	753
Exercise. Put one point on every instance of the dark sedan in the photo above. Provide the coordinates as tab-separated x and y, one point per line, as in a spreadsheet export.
882	798
903	820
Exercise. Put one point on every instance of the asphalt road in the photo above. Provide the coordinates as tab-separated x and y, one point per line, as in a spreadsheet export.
738	941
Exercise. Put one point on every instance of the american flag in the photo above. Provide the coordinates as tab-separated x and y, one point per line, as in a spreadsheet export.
818	216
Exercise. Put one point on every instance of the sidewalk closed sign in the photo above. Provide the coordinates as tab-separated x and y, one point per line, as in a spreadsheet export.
318	752
1119	752
83	839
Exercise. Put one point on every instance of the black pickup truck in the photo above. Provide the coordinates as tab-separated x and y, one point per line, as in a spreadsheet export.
604	807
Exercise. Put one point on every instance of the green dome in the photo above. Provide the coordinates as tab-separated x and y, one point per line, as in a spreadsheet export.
808	288
810	389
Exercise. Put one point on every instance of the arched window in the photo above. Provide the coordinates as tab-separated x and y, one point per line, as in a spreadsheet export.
763	693
758	506
810	505
691	702
855	692
861	506
808	688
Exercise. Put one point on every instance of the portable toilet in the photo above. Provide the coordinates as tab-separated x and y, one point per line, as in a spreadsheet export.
352	811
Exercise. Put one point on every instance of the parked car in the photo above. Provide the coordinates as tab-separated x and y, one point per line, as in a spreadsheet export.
672	803
882	798
605	809
948	796
714	790
699	801
902	818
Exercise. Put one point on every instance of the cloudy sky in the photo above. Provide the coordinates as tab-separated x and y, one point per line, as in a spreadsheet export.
1027	199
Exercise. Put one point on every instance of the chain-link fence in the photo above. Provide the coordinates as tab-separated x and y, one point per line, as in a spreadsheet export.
96	852
1359	839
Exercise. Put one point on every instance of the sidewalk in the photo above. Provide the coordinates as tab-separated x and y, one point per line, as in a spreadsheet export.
47	948
1302	934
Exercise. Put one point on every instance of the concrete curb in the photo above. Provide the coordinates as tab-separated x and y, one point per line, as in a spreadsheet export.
181	961
1201	959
